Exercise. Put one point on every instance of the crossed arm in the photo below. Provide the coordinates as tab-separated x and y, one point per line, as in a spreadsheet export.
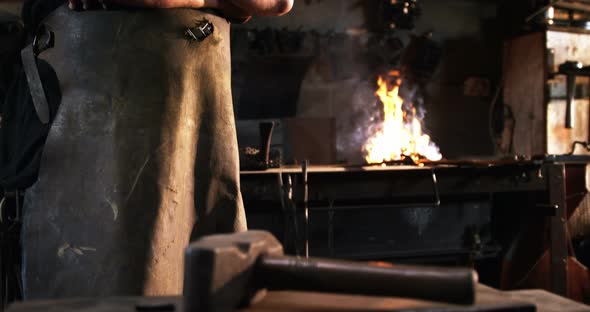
233	8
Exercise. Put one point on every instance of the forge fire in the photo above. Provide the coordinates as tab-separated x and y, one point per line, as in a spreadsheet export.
401	133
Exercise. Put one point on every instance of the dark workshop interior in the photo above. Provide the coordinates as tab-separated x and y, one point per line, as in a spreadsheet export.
294	155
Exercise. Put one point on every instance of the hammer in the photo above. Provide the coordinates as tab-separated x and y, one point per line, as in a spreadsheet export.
224	272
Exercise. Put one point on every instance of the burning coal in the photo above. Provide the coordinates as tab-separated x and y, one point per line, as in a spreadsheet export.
401	134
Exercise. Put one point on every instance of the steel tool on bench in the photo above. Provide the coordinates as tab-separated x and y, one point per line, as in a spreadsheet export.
223	272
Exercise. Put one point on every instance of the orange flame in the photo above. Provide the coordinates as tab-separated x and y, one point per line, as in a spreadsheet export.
400	135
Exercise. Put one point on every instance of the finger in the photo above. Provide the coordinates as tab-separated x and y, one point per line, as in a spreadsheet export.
234	13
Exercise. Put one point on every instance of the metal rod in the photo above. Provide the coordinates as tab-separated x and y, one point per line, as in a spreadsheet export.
435	189
293	209
305	206
571	95
266	129
371	206
282	197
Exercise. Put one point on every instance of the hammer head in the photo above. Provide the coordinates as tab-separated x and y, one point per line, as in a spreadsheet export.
219	269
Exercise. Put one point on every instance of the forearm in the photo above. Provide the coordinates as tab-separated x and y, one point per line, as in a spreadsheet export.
249	7
234	8
171	3
238	8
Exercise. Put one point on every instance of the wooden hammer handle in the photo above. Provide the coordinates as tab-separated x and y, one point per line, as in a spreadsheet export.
453	285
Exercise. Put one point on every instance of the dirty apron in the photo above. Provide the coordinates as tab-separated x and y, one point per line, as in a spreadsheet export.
141	157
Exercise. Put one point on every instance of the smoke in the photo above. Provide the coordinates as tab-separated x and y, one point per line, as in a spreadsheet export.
412	95
356	123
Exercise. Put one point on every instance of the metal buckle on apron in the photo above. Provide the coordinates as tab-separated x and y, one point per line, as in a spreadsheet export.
44	39
29	59
202	30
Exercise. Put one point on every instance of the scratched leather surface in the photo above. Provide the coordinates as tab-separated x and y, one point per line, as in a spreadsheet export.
143	148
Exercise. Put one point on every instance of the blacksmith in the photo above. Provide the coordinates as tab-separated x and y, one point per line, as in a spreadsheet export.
141	156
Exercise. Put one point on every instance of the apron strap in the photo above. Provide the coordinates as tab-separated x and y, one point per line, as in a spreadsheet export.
29	60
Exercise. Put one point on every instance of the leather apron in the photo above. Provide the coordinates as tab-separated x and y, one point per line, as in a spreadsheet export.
141	157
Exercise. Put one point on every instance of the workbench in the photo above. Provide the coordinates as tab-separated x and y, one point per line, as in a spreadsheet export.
431	210
488	300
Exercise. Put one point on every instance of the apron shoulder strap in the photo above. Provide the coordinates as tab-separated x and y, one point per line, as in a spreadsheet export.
29	60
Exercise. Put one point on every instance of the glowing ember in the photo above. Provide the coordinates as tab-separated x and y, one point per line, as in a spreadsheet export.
400	135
